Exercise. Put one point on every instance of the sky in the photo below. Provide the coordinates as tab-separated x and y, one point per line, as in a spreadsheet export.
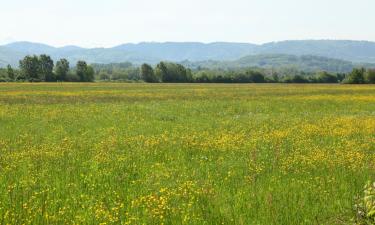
107	23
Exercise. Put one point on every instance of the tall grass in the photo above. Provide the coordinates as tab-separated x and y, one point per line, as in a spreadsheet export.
184	154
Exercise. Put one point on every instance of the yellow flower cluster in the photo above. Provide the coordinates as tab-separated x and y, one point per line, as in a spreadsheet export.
183	153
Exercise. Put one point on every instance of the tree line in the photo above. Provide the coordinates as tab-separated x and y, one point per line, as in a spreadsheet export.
176	73
168	72
42	68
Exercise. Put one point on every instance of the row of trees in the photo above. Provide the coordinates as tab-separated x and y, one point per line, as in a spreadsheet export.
117	72
42	68
163	72
361	76
166	72
175	73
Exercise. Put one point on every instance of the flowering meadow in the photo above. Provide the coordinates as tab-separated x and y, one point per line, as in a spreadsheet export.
106	153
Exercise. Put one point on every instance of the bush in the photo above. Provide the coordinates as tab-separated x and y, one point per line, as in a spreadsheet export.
324	77
3	79
71	77
35	80
296	79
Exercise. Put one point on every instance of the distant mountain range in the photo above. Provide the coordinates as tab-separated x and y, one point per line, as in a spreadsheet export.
307	63
346	52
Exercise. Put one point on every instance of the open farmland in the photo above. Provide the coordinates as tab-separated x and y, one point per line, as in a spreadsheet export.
184	153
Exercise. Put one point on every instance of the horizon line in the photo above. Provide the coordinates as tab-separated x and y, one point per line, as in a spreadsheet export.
177	42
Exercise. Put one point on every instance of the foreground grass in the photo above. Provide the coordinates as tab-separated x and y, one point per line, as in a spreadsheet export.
184	154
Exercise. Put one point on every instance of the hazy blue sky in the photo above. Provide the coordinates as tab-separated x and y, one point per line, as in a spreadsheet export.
110	22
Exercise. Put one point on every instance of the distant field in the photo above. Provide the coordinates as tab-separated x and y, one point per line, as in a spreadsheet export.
184	154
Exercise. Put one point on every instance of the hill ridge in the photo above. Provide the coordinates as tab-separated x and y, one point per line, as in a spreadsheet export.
153	52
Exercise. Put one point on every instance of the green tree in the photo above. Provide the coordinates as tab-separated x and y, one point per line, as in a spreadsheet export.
3	75
370	76
30	68
104	76
62	69
189	75
84	72
81	69
10	73
255	76
182	74
275	77
133	73
325	77
72	77
161	72
90	74
172	72
296	79
147	74
46	68
357	76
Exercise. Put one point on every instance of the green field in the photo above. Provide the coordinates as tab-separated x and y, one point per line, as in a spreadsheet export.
184	154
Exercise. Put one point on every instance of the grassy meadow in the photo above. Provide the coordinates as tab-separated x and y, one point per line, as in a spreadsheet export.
184	153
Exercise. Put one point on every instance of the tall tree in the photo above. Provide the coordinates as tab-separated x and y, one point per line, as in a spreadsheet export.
172	72
30	68
81	69
10	73
46	68
370	76
161	71
90	74
147	74
357	76
62	69
84	72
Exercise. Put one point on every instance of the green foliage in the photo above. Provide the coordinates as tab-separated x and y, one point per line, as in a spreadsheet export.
133	73
10	73
296	79
161	71
104	76
370	76
3	75
173	73
325	77
84	72
109	68
255	77
117	72
147	74
72	77
30	68
62	69
81	69
46	68
34	68
357	76
89	77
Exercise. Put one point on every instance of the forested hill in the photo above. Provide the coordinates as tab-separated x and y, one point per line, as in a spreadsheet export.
307	63
354	51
